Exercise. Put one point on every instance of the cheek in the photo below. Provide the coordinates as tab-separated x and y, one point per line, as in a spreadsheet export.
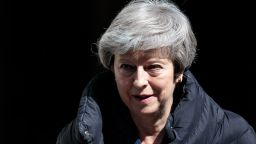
164	86
161	86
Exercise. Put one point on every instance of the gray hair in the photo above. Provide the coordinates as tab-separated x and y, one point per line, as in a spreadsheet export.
146	25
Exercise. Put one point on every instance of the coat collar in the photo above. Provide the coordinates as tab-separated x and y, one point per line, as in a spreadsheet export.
189	113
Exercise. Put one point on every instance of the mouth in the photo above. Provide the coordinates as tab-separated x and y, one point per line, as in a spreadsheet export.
143	98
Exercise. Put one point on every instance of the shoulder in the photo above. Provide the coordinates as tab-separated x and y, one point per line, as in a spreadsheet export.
234	128
89	116
97	91
235	120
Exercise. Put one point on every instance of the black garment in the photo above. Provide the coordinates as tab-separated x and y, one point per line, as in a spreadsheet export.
195	118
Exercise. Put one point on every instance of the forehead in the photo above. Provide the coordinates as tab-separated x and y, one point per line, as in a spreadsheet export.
161	53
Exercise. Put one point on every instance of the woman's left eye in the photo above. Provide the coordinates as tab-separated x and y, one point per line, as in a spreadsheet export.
154	67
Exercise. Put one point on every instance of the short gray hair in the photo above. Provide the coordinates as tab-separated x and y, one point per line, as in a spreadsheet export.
149	24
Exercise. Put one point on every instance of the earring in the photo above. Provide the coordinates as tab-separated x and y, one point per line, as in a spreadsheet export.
180	78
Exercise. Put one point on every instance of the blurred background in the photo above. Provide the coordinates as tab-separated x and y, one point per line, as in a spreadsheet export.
48	60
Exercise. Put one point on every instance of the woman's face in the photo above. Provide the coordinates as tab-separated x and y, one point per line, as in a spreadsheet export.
145	81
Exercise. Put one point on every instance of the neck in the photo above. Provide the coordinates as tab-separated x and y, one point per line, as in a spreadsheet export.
151	126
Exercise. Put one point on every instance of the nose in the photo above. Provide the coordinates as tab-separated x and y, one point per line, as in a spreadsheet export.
140	78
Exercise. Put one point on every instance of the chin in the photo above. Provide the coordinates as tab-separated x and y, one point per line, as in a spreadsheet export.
147	110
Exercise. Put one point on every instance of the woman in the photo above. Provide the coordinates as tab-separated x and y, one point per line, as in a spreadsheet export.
148	95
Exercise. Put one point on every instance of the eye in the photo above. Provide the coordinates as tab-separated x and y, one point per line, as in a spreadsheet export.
154	67
128	67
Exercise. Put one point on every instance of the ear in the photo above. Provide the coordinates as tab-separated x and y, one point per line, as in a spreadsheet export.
179	78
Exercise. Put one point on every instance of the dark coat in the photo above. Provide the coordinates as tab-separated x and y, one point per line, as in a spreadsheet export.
195	118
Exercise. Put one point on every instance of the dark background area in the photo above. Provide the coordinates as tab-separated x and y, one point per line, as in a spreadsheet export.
47	60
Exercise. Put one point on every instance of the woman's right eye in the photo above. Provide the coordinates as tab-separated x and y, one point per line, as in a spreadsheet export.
127	67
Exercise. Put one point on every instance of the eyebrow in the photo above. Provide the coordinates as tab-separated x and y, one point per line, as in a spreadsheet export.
150	60
124	59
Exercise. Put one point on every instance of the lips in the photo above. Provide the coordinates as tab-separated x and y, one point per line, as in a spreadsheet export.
143	98
140	97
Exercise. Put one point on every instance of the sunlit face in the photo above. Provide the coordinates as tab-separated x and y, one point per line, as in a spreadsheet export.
145	81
